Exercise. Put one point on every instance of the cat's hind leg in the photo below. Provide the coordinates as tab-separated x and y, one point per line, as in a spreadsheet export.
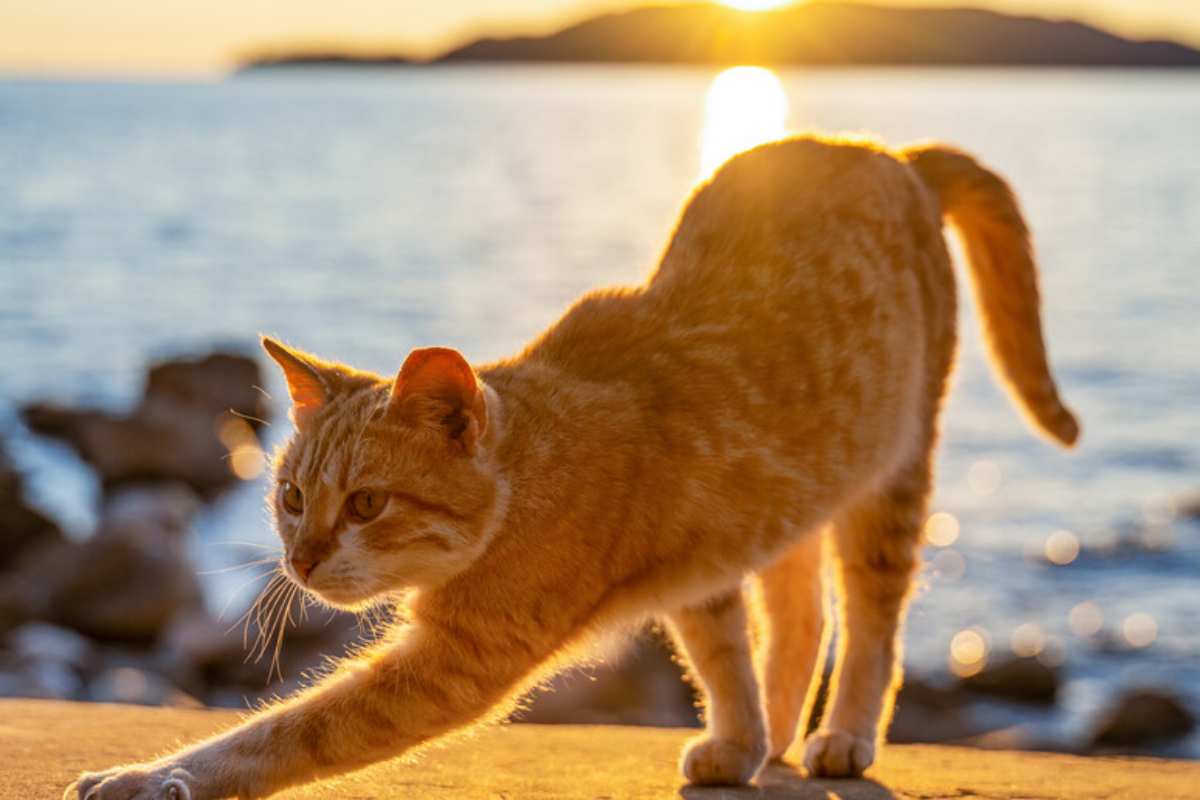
877	545
793	639
715	640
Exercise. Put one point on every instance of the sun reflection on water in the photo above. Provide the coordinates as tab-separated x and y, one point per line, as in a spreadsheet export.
745	106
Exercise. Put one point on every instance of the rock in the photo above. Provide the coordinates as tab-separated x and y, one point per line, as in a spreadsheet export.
26	537
645	687
44	661
221	660
196	640
150	513
37	641
133	577
927	713
1141	717
210	385
1026	680
50	680
193	416
132	685
27	589
1189	506
22	528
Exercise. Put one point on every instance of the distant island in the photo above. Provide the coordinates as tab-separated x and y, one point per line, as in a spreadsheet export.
812	34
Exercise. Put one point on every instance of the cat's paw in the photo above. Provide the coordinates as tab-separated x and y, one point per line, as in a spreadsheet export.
837	754
721	762
143	782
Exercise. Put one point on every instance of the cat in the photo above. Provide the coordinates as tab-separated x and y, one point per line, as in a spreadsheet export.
775	384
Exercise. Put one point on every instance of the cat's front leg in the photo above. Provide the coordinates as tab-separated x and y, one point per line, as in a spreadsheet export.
143	782
373	709
717	646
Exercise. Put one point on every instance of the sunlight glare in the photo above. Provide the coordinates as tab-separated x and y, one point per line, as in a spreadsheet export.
755	5
745	106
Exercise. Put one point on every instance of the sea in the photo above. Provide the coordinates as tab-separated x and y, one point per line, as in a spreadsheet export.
358	213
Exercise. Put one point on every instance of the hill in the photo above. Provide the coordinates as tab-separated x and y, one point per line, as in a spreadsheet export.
829	34
818	33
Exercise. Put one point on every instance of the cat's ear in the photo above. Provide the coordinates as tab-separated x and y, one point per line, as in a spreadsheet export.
437	387
307	382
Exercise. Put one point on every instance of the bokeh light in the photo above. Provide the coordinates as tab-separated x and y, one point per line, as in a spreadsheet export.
968	652
246	458
1086	619
1140	630
1062	547
1053	652
941	529
1027	639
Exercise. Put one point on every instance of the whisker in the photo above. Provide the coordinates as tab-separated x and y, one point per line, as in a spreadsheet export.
275	631
250	417
238	591
276	603
255	609
243	543
235	567
284	621
262	619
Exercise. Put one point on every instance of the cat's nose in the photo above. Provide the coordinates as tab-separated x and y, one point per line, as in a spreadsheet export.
304	566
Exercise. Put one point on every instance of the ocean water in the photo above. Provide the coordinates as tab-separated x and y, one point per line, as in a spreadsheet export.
359	214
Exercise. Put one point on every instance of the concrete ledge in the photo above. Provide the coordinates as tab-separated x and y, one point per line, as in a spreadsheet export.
44	744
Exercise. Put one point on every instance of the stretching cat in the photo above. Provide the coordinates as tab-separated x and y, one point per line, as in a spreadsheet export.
781	372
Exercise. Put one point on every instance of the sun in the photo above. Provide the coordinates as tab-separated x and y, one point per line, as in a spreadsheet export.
755	5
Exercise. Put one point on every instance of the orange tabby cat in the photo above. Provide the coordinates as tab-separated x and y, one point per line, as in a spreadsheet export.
781	372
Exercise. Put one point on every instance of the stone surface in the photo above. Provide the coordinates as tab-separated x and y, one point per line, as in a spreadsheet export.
45	744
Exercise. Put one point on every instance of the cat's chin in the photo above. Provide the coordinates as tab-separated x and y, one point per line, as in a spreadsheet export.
342	598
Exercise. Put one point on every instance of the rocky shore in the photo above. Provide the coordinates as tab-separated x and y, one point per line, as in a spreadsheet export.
120	616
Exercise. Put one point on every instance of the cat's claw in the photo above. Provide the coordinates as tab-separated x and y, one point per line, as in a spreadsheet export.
837	754
721	762
133	783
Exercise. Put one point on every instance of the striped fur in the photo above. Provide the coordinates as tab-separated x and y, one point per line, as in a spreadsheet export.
775	383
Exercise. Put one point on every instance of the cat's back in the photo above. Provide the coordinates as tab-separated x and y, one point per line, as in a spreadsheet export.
801	210
807	249
837	241
818	270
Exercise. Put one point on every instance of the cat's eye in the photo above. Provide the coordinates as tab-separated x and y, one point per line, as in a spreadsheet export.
291	498
365	505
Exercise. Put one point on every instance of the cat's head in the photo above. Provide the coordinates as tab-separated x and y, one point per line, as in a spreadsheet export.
386	484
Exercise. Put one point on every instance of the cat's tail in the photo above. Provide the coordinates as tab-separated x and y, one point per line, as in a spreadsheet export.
984	210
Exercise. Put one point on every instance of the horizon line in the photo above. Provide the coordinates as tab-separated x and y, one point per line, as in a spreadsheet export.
241	58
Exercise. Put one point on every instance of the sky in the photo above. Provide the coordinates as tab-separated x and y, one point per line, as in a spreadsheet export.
204	37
